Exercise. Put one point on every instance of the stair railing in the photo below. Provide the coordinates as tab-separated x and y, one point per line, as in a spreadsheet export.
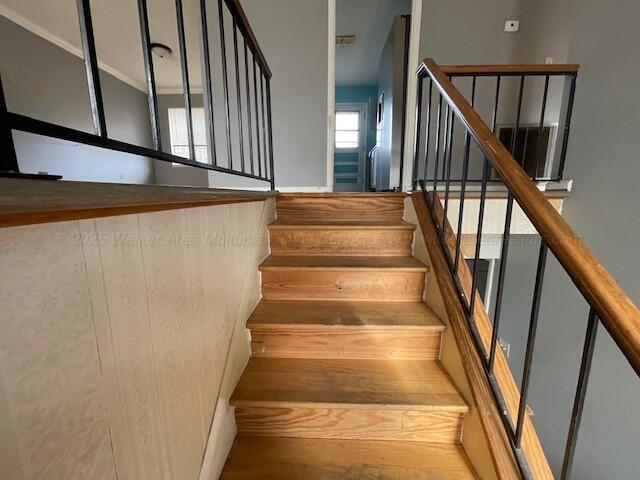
607	301
252	142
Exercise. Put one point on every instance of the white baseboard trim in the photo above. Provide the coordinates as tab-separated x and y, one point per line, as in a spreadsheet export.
223	433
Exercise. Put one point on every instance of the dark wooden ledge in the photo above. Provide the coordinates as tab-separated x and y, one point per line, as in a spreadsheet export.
25	202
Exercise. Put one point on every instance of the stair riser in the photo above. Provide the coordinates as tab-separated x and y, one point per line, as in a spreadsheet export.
383	208
351	343
351	424
341	242
306	284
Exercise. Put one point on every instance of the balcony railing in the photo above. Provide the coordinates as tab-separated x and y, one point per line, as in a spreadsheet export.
249	144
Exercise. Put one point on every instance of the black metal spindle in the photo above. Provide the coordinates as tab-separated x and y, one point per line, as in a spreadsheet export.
500	288
264	125
581	391
567	127
483	198
238	94
531	339
208	84
463	183
416	134
186	89
428	133
541	124
446	168
225	83
515	131
255	95
91	67
437	151
269	118
8	158
150	77
248	90
505	242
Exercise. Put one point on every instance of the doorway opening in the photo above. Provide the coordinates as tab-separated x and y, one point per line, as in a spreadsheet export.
371	68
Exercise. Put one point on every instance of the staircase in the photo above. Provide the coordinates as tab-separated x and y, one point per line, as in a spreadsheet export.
345	380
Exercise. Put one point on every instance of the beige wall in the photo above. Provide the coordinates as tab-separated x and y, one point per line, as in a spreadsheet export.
114	336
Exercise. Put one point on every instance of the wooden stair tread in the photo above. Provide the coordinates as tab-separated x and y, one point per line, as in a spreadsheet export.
340	224
377	384
305	314
356	262
271	458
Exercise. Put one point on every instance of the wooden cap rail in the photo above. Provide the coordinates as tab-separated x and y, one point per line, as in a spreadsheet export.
615	309
515	69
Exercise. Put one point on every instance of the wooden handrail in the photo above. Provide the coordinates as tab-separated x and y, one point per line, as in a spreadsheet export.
515	69
619	315
252	42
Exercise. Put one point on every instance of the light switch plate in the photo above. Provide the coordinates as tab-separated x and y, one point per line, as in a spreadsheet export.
511	25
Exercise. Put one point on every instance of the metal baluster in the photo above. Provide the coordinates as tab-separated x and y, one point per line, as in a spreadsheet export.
8	157
505	243
255	95
91	68
238	93
185	78
268	86
503	266
463	183
208	86
437	152
567	126
225	84
531	339
246	77
150	77
447	175
416	134
581	391
486	173
541	125
264	123
428	134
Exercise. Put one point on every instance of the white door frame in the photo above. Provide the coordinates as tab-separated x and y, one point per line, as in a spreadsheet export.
412	83
363	110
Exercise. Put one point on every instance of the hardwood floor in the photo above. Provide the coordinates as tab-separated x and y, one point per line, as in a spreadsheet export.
345	380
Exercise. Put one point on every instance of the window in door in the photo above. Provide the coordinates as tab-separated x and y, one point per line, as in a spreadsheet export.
179	136
347	130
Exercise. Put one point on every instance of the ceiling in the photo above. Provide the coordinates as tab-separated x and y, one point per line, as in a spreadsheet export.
117	35
370	21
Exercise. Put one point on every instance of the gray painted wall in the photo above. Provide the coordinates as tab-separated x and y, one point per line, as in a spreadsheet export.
603	161
390	82
46	82
293	37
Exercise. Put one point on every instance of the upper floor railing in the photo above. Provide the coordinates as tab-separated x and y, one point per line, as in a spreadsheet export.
438	113
529	108
248	139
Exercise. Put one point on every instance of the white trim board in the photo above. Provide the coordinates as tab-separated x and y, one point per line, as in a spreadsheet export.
412	85
331	90
63	44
